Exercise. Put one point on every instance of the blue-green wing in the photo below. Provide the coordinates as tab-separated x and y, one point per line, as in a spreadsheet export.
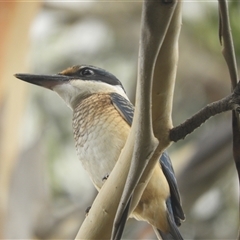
168	171
124	107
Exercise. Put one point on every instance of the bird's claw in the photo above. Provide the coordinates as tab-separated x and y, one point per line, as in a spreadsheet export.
105	177
87	210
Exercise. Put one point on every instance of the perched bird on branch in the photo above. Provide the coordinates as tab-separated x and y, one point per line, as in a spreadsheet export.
102	117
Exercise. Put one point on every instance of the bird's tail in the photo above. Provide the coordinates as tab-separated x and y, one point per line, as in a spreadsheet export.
173	235
173	232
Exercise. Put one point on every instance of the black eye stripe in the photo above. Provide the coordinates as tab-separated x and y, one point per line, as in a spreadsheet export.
91	73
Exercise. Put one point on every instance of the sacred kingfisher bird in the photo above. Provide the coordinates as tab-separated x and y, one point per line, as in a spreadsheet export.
102	117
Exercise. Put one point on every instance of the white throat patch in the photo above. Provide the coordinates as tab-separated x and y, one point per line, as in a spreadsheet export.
73	89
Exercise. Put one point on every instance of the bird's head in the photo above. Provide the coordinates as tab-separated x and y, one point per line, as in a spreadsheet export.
77	82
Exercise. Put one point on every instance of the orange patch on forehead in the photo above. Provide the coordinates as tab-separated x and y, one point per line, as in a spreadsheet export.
71	70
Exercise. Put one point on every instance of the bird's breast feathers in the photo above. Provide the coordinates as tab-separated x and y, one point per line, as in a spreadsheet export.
100	133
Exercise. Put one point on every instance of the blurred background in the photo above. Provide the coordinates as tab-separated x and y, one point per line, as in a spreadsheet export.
44	190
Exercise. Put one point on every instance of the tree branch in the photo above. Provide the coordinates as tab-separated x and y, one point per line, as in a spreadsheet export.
231	102
226	40
181	131
230	58
153	33
141	142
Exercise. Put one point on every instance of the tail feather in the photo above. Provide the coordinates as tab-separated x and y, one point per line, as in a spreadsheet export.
173	235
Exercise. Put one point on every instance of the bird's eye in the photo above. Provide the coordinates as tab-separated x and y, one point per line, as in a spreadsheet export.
86	72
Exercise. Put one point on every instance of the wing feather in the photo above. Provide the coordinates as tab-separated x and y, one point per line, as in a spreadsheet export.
126	109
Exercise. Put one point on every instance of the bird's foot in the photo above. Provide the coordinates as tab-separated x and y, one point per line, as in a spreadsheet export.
87	211
105	177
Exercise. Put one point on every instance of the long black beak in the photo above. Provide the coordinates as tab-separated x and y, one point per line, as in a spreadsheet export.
47	81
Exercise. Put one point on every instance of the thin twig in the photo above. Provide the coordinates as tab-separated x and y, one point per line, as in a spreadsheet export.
181	131
230	58
225	35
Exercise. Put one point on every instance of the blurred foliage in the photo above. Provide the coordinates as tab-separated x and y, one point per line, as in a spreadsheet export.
206	32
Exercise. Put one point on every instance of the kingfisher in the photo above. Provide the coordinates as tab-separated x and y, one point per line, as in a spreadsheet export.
102	118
